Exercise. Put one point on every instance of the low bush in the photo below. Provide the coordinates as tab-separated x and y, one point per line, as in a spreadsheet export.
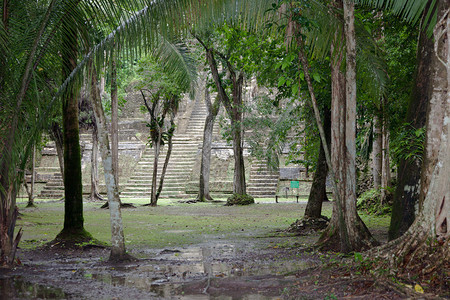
238	199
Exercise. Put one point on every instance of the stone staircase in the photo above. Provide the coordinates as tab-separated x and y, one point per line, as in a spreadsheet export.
54	188
263	182
182	159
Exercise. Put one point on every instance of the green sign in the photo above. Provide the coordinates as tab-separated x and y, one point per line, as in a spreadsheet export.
295	184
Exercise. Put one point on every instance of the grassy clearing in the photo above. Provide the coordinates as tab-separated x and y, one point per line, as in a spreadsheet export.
171	224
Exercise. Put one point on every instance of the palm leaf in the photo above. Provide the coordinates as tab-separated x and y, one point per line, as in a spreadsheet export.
410	10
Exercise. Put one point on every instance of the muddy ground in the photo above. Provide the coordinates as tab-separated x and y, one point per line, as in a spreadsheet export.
249	264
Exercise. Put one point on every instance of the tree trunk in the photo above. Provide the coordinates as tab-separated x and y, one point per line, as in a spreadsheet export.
239	186
408	179
377	154
354	236
166	160
157	145
94	195
205	167
73	187
114	119
234	110
57	136
386	165
435	116
423	249
33	170
318	192
118	251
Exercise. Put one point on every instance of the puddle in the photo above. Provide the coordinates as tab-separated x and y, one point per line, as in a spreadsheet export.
15	288
199	273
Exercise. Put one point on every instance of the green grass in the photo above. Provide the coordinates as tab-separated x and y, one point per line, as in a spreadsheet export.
171	224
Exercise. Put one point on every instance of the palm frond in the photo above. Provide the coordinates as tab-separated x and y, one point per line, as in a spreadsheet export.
410	10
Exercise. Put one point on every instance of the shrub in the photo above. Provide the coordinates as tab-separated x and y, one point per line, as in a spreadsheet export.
237	199
370	203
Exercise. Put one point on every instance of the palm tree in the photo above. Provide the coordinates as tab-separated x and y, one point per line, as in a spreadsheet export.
26	52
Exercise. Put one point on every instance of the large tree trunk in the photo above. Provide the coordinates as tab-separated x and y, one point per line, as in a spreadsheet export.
408	179
423	249
118	251
205	166
73	187
114	119
355	236
318	192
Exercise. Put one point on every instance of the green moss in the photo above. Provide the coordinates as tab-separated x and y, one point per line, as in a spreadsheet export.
370	203
238	199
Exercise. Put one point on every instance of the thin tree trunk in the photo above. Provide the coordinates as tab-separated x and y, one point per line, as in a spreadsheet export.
377	154
166	160
94	195
33	170
234	110
239	186
157	145
318	192
205	166
359	235
407	192
386	166
118	251
57	136
114	119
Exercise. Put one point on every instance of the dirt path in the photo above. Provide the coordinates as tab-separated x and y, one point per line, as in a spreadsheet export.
256	263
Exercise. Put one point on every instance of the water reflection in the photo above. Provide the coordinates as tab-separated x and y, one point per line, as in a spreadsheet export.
188	273
16	288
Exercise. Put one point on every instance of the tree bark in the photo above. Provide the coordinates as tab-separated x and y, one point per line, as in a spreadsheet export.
114	119
33	170
407	192
353	235
424	247
239	185
118	251
234	110
157	151
318	192
57	136
166	160
205	167
377	154
94	195
385	163
73	187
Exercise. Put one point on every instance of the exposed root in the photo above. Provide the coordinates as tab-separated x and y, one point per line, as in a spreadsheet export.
73	240
122	205
415	257
307	226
